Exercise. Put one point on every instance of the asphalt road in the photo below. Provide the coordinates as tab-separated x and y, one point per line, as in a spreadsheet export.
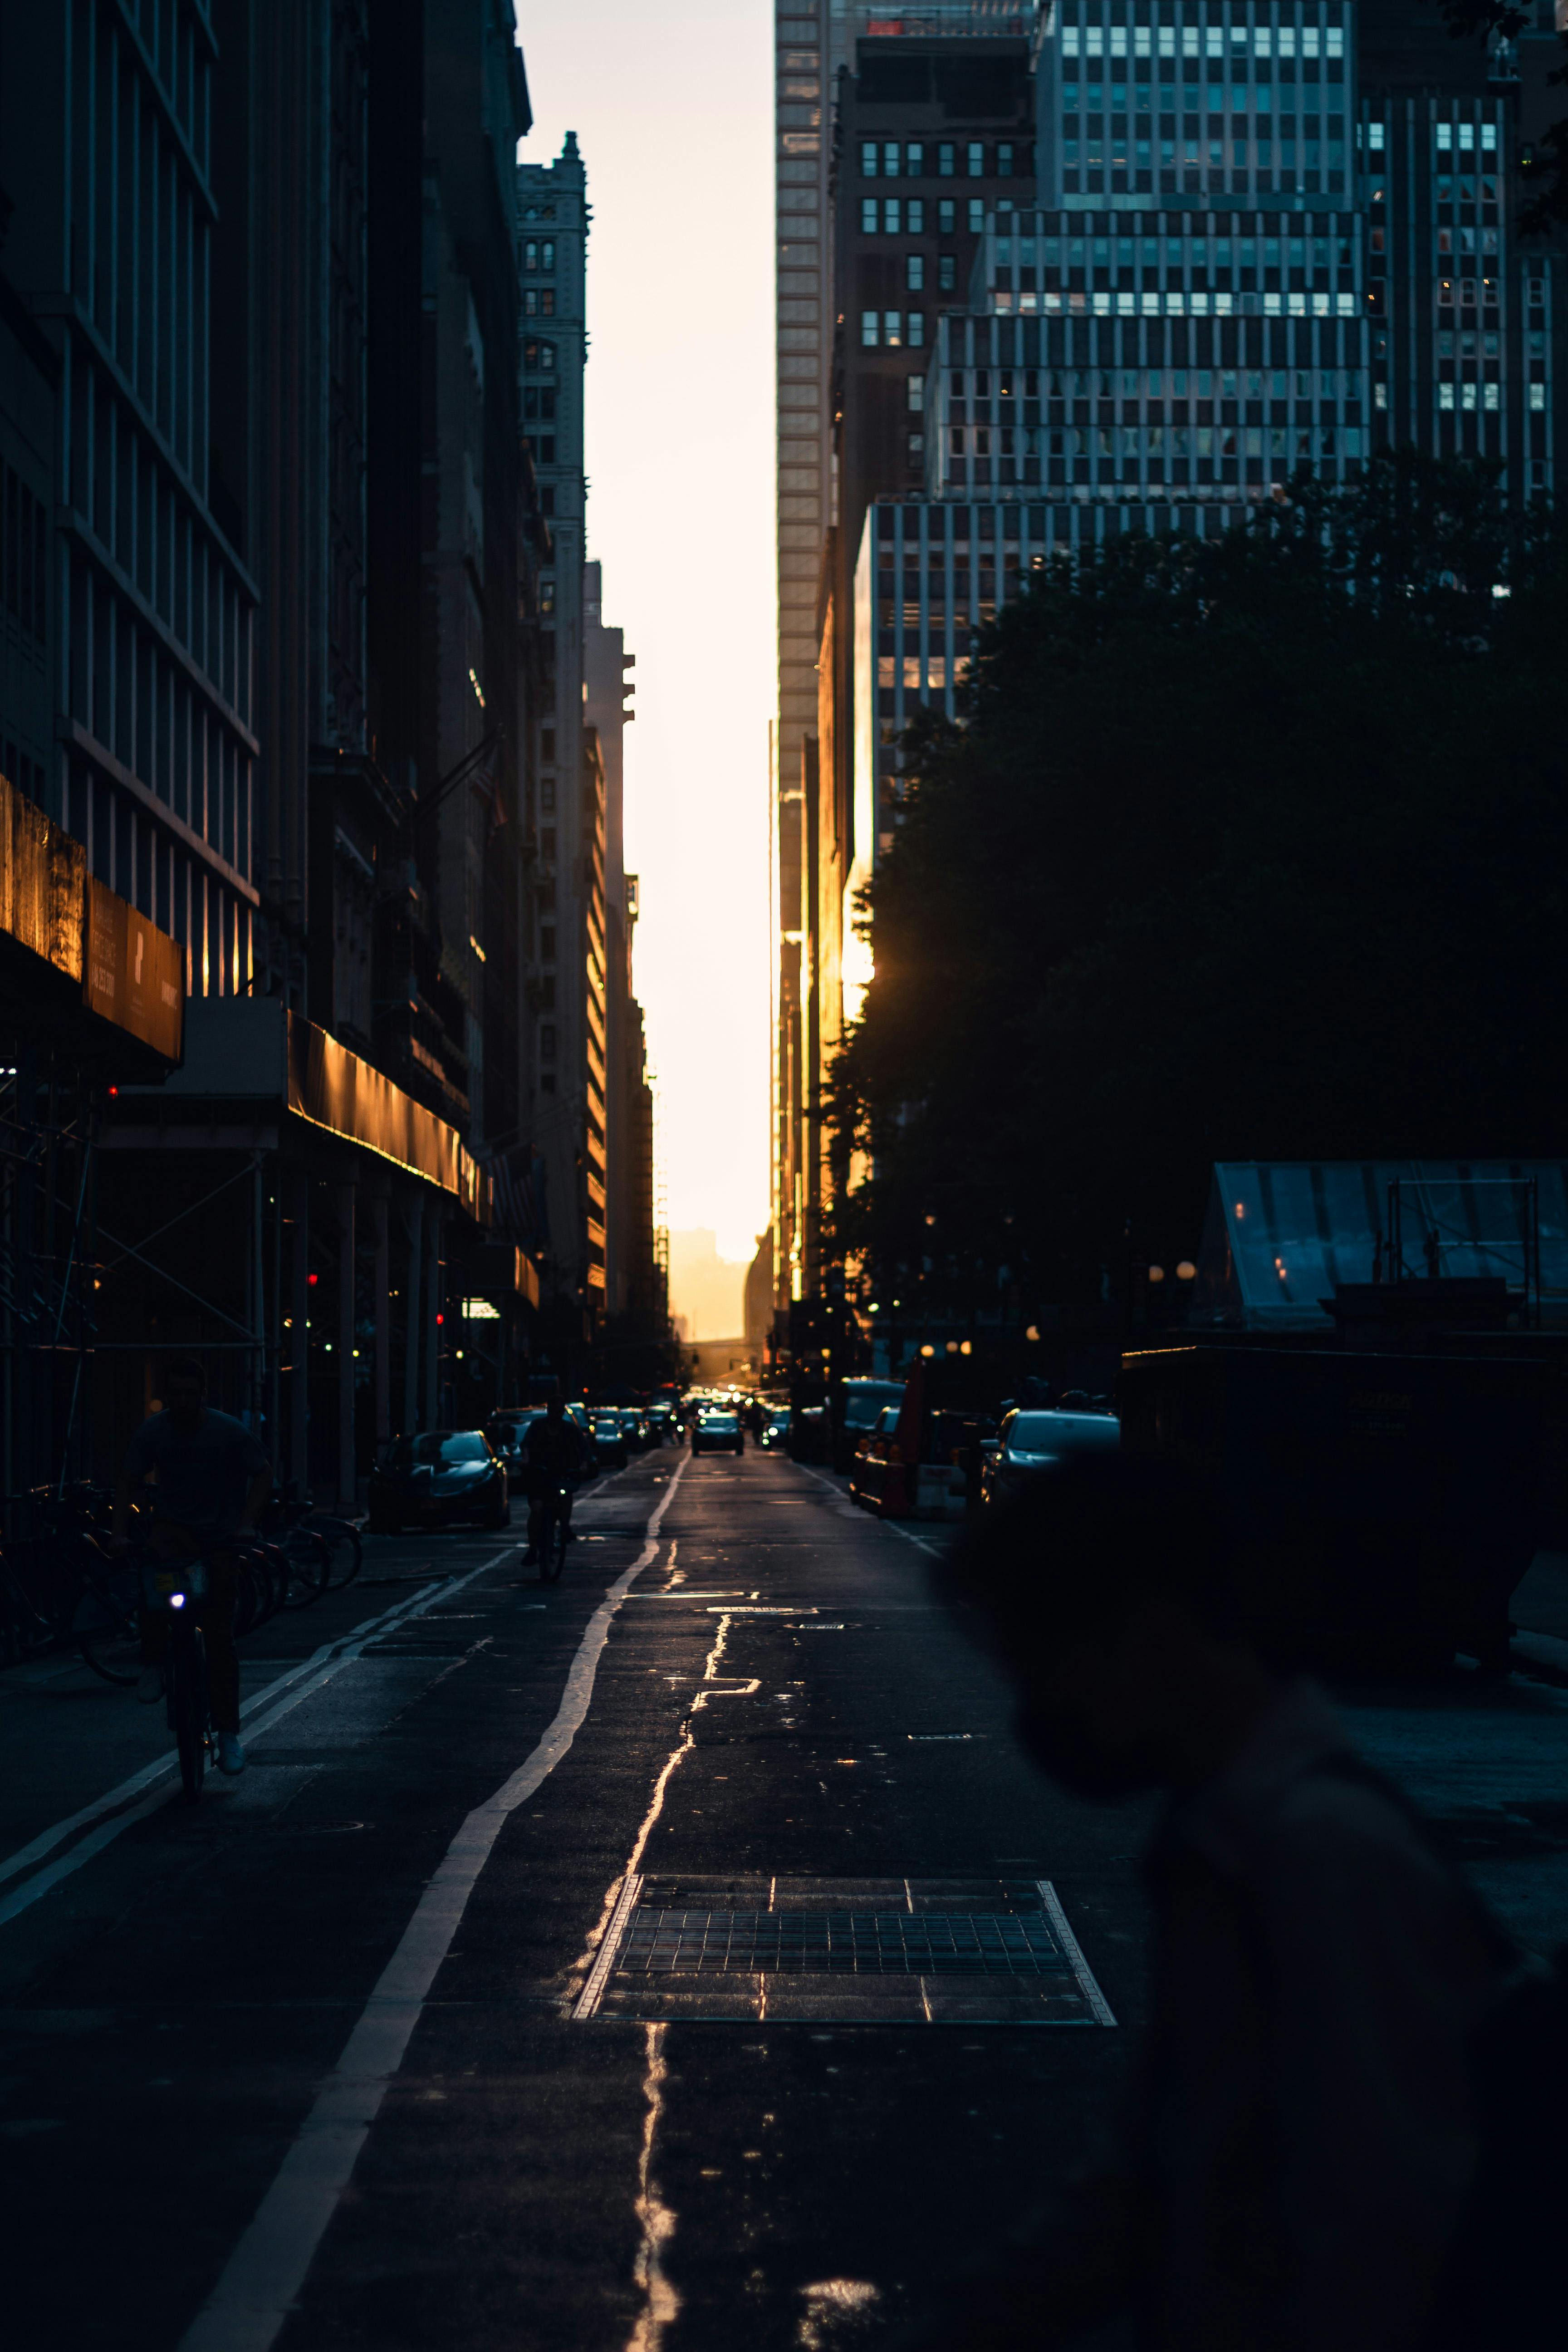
338	2059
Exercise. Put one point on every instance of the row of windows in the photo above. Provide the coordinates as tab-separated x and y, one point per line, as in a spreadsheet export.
891	158
893	329
1156	383
539	301
24	555
1175	302
1263	40
1177	252
946	280
1262	95
539	358
1454	240
896	217
1133	441
537	256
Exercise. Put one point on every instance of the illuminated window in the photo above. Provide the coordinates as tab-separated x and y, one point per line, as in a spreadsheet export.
976	160
870	337
915	273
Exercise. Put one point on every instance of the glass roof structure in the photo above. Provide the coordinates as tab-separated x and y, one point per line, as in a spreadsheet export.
1282	1234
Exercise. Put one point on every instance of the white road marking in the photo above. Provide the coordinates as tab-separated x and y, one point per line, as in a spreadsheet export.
248	2309
117	1810
892	1525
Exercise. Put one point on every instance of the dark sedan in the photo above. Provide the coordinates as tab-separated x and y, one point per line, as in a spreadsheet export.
718	1433
774	1435
436	1480
1029	1442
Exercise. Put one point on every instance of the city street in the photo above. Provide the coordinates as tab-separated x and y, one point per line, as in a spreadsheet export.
741	1683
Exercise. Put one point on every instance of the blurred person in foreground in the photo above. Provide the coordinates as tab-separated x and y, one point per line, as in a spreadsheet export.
1298	2145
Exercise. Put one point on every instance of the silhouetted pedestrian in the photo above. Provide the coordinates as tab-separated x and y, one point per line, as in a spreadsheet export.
1300	2143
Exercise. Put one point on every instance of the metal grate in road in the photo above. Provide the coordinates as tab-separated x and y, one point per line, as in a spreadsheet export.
862	1951
837	1943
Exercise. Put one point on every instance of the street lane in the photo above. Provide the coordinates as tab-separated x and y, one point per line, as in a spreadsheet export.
778	1698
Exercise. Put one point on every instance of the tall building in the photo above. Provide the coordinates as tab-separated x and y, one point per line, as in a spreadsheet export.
1247	239
260	333
896	134
567	974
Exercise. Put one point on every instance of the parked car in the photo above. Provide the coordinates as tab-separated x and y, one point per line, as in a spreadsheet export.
861	1403
436	1480
719	1432
1030	1442
774	1435
868	1465
609	1439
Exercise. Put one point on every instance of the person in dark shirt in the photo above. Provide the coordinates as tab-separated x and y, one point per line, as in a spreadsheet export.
1297	2153
551	1458
210	1477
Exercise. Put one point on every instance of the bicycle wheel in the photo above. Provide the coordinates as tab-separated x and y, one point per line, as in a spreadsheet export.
345	1548
309	1567
105	1627
188	1708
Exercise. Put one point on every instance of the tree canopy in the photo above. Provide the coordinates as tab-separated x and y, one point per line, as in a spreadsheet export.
1246	847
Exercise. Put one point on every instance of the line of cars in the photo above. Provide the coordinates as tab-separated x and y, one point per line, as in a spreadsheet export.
452	1477
997	1459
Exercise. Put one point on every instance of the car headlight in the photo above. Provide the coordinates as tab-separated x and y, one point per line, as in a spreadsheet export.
1030	1461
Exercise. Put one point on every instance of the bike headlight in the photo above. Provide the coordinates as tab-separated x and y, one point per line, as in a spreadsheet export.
176	1599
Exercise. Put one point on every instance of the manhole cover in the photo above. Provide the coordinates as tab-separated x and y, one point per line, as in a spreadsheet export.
896	1951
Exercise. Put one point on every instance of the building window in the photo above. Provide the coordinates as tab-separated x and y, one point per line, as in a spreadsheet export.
976	216
915	394
917	328
547	1041
547	844
539	358
945	154
915	159
547	789
892	213
917	448
547	943
947	216
915	216
868	159
547	593
1445	396
1538	395
1004	161
547	257
869	216
1491	395
892	328
946	273
889	159
869	338
531	253
915	273
547	301
976	160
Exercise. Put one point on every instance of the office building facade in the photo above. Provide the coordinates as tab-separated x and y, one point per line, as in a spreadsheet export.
260	380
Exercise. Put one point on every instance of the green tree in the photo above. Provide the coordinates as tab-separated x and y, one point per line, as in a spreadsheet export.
1245	848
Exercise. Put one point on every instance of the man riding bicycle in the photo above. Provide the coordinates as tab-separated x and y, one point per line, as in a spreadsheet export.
551	1458
211	1478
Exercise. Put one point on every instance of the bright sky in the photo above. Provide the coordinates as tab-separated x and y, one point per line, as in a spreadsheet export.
672	104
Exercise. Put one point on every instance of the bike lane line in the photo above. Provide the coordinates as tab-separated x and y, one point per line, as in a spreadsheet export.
263	2276
258	1714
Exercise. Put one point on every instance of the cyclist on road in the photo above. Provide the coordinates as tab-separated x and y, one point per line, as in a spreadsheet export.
552	1457
211	1478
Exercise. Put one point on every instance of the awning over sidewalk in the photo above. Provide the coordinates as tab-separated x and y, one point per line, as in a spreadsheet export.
244	1049
116	965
